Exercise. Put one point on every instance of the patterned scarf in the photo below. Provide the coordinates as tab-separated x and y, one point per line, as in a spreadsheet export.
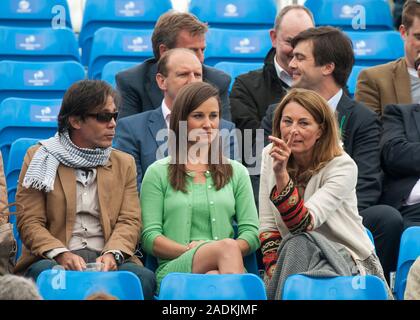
59	149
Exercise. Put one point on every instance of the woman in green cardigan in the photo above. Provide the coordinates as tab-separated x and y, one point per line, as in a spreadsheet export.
190	199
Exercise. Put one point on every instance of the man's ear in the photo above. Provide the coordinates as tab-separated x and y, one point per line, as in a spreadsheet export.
273	37
162	49
75	122
328	68
160	80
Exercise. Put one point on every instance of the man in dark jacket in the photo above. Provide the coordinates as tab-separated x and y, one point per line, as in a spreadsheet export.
254	91
137	85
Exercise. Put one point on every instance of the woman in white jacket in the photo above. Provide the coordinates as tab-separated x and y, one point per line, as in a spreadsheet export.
308	184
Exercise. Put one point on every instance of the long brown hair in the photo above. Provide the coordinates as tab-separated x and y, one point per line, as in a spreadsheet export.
189	98
327	146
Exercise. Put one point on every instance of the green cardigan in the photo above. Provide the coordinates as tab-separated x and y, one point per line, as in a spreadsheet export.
168	212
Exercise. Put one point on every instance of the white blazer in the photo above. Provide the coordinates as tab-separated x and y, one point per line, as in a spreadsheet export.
330	198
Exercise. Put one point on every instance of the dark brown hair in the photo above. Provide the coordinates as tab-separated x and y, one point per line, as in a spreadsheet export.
410	10
83	97
189	98
330	45
328	145
168	27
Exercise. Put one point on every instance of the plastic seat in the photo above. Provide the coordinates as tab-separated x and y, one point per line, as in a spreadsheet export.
38	44
352	80
370	236
14	164
376	47
38	80
409	251
125	14
111	44
236	14
300	287
112	68
188	286
35	13
237	45
57	284
235	69
26	118
347	14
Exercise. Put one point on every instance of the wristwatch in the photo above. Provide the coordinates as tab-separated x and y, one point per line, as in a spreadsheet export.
119	259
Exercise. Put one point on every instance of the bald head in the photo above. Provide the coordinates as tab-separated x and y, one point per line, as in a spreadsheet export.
176	68
290	21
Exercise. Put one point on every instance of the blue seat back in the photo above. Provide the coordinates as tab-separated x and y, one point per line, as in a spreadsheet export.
111	44
77	285
236	45
300	287
236	14
376	47
352	80
349	14
409	251
38	80
189	286
38	44
14	164
235	69
26	118
125	14
112	68
35	13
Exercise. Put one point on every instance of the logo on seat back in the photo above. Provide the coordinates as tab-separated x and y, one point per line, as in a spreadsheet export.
231	10
24	7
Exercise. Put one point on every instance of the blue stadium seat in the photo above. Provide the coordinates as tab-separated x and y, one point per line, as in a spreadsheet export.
236	14
236	45
189	286
376	47
370	236
26	118
352	14
235	69
13	167
126	14
38	44
112	68
409	251
57	284
300	287
111	44
38	80
352	80
35	13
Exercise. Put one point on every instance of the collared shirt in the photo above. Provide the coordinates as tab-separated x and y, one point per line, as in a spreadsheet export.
415	85
334	100
166	112
282	74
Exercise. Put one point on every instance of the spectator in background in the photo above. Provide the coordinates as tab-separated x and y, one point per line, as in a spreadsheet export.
401	157
308	205
254	91
18	288
323	59
395	82
80	195
190	199
139	134
137	85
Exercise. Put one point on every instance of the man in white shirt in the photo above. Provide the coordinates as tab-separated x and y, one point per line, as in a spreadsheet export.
395	82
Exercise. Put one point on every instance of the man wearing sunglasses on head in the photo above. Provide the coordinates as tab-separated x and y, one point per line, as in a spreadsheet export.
80	195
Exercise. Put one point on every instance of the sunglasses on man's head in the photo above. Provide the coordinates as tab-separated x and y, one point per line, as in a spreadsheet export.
104	116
